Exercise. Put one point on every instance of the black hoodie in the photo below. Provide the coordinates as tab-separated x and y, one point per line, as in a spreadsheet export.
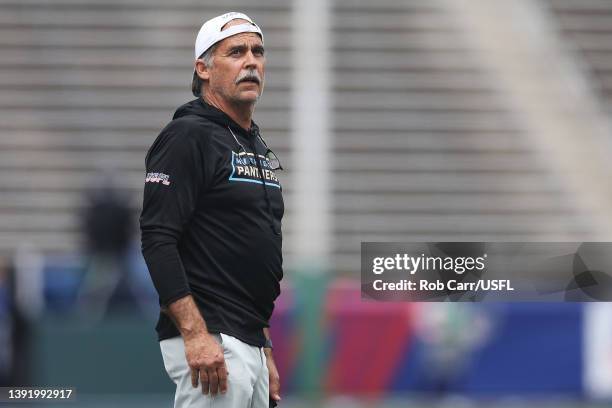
211	222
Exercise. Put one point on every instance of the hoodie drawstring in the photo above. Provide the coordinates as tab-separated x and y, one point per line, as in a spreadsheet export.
255	136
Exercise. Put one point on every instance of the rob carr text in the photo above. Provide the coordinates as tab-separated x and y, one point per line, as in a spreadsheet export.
452	285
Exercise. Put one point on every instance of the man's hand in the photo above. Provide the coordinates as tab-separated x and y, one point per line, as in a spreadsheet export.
204	355
205	358
274	377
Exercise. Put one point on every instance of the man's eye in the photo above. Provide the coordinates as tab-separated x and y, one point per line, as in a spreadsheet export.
235	52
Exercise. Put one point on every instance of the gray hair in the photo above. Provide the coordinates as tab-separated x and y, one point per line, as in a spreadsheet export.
197	83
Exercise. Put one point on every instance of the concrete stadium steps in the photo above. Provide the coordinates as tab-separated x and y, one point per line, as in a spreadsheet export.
441	182
135	14
104	38
440	141
586	28
411	162
427	147
490	202
414	100
106	119
101	99
400	162
447	223
114	57
86	86
14	181
41	200
77	77
103	139
63	180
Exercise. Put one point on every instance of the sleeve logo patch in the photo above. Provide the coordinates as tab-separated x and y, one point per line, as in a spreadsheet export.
157	177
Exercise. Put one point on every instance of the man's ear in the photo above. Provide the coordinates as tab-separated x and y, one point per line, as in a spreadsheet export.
202	70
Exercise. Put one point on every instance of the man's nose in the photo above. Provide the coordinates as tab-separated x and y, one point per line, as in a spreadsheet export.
251	61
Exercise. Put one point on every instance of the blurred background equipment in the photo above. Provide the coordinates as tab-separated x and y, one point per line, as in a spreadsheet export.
14	335
438	120
108	229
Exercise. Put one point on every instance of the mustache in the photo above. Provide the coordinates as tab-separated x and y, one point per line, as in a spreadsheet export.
249	76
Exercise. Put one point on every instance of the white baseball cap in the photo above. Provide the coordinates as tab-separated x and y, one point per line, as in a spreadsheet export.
211	33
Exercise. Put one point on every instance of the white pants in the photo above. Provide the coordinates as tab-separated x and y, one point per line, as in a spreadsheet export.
247	385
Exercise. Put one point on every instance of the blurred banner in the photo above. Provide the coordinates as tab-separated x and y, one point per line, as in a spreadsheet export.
373	349
478	350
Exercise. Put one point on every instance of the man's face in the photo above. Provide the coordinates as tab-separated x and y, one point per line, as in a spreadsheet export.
238	68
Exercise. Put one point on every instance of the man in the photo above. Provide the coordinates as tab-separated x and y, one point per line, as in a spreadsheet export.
211	227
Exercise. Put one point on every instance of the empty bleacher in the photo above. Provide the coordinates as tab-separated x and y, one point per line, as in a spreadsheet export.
586	29
426	146
85	87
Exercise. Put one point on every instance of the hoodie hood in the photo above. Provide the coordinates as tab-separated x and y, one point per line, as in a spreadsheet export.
199	107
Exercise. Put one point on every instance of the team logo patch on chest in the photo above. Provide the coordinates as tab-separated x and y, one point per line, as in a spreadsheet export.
244	169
